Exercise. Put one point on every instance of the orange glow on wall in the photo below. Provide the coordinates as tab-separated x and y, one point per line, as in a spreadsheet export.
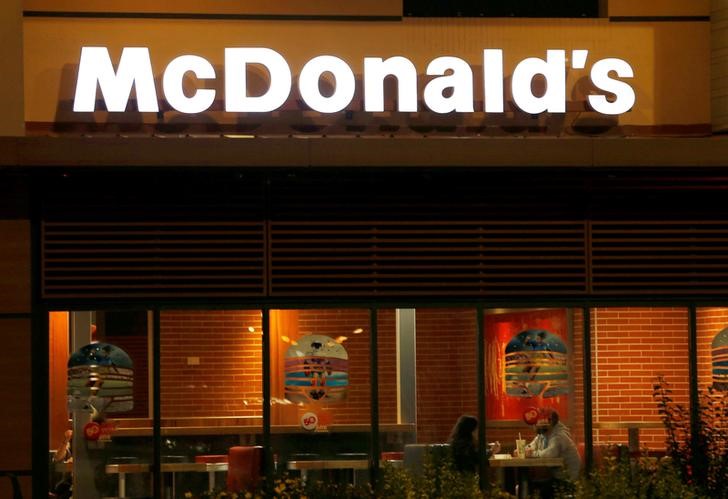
58	356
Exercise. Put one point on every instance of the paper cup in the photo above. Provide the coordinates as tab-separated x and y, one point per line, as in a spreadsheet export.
521	447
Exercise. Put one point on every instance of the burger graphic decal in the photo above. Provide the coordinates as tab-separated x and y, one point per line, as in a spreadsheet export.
536	365
317	370
719	354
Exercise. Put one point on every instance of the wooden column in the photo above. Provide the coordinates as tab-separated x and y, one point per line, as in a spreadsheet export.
719	65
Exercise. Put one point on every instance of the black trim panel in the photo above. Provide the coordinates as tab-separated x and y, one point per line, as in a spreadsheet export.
207	17
659	19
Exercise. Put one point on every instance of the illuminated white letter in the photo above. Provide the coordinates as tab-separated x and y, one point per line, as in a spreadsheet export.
461	82
308	84
172	84
135	69
376	69
554	70
236	90
493	80
623	92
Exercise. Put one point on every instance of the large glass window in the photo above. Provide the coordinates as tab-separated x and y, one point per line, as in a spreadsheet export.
321	392
533	365
100	435
631	347
211	386
211	395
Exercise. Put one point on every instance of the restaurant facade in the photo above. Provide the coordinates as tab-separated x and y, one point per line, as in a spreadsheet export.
329	231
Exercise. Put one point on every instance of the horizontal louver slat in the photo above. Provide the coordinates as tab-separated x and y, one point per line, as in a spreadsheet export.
161	259
383	258
659	257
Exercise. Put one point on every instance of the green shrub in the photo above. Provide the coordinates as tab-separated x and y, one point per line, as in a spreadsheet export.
439	479
622	478
701	459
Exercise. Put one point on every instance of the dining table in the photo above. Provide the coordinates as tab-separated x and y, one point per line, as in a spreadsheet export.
123	469
519	465
303	466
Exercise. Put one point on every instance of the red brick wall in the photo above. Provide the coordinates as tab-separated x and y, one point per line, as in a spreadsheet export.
228	379
631	347
446	370
137	347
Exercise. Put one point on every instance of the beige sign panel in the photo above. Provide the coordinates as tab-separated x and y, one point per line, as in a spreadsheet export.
11	55
671	62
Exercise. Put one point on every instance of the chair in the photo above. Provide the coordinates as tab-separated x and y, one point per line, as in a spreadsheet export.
414	455
17	494
243	467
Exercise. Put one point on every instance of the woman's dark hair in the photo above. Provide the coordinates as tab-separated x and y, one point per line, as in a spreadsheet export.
464	450
464	428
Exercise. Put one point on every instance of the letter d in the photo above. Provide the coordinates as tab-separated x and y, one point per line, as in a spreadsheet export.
236	90
554	70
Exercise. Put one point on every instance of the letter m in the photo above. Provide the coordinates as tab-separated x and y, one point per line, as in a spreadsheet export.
135	68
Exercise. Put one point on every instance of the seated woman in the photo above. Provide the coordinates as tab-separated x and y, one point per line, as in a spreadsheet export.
463	443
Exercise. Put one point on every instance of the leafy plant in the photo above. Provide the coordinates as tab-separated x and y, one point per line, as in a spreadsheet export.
703	460
439	479
622	478
293	487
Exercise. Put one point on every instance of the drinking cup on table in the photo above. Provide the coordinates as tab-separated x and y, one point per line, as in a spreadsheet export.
521	447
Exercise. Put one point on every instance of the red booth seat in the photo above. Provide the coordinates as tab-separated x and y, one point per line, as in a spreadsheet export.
244	467
212	458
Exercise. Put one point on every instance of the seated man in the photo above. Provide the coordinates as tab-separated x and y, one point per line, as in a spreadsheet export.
554	440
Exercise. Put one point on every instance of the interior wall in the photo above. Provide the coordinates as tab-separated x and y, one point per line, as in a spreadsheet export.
446	370
226	379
